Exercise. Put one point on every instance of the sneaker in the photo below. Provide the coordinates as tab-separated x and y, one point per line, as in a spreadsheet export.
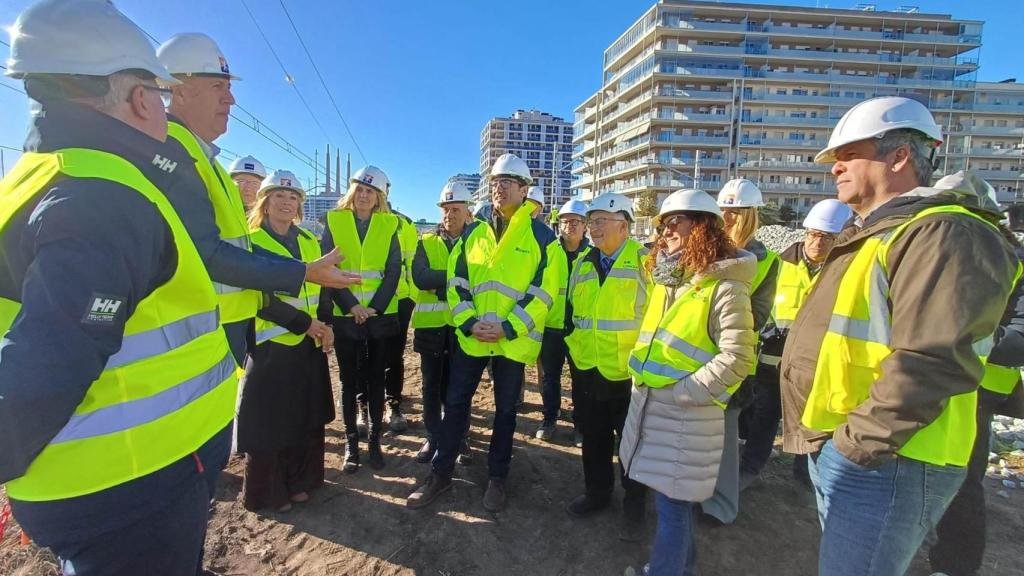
351	462
363	421
747	478
396	422
586	505
577	438
424	495
546	432
494	498
465	457
426	452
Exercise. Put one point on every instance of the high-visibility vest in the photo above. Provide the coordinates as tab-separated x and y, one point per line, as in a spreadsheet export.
236	304
764	266
791	290
172	384
858	340
307	300
675	343
407	239
556	315
998	379
431	311
606	317
499	276
367	257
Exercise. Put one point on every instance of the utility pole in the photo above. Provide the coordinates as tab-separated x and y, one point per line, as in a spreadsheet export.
316	167
327	171
337	174
348	167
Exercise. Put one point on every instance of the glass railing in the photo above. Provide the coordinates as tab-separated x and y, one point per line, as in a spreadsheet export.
696	71
721	140
683	93
782	164
783	142
829	55
999	174
805	98
695	116
989	130
819	187
1004	152
833	31
827	122
622	127
701	49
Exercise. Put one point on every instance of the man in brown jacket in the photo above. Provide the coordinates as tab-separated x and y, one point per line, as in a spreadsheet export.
879	374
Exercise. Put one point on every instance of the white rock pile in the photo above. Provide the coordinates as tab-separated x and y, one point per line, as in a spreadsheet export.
778	238
1009	432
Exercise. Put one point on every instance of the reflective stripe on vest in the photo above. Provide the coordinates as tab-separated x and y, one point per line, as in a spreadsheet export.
607	317
558	264
309	297
170	387
407	239
857	342
791	290
367	257
430	311
236	304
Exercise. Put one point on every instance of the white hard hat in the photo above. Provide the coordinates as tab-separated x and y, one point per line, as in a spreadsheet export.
740	193
194	53
455	192
511	165
873	118
612	202
828	216
86	37
281	179
573	206
247	165
536	195
688	200
373	177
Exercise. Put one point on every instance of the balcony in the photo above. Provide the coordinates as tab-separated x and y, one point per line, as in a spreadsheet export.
695	117
782	143
623	127
804	99
868	57
791	121
1007	131
695	94
998	152
834	77
816	188
699	71
782	165
693	140
999	174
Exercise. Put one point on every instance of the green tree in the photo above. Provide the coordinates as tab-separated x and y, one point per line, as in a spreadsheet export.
769	214
786	214
647	203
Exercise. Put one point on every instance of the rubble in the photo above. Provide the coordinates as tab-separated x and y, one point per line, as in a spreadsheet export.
778	238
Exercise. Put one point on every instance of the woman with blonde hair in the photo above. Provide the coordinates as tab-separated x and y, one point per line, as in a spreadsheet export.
287	399
365	317
696	341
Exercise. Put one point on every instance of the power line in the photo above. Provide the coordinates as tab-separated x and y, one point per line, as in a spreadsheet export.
322	83
4	42
9	87
12	149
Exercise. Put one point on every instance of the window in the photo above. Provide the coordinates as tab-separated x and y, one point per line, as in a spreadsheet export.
533	128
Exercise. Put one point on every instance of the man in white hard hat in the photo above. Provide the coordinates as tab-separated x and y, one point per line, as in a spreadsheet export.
800	264
535	196
115	375
247	173
879	373
502	279
433	332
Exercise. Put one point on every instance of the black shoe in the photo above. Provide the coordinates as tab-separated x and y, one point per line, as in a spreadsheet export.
426	452
427	493
546	431
586	505
494	497
374	454
633	525
351	464
396	421
465	457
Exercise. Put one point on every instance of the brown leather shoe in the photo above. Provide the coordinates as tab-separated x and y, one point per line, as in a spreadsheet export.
428	492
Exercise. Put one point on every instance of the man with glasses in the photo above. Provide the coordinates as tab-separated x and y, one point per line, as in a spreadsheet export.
552	351
247	173
503	275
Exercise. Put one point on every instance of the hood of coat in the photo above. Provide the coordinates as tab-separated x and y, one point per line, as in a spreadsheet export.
741	268
756	248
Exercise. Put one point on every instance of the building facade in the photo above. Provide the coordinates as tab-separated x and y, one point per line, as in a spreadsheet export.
471	181
542	140
697	93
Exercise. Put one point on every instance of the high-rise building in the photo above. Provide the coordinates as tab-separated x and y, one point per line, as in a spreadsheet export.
704	92
472	181
542	140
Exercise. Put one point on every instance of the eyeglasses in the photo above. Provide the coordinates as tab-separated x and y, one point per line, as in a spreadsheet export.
571	222
673	222
821	236
503	182
600	222
165	93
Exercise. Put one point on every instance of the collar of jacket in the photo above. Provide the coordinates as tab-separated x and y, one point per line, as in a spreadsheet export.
756	248
741	268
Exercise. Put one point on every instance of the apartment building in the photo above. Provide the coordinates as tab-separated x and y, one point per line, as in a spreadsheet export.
697	93
544	141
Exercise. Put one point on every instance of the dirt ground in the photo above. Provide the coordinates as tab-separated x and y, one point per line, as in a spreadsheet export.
358	524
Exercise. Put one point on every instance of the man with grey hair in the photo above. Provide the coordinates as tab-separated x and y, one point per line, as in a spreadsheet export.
880	371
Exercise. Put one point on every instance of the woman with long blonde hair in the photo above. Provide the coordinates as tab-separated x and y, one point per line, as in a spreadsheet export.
696	342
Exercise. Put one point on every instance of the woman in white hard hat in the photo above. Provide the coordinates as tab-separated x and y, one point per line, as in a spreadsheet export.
247	173
287	400
367	315
739	201
535	196
696	342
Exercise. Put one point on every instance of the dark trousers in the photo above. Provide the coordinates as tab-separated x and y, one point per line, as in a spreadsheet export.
395	379
960	543
759	421
273	477
552	360
355	372
465	377
436	369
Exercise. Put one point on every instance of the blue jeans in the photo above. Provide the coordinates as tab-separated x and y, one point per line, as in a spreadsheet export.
552	360
873	520
465	377
675	545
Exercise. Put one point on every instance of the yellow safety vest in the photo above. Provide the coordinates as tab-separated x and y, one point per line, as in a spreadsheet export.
763	267
606	317
500	275
998	379
556	315
431	311
236	304
367	257
858	341
675	343
794	284
172	384
407	239
307	300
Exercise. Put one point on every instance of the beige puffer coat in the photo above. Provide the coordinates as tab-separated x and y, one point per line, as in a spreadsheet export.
673	437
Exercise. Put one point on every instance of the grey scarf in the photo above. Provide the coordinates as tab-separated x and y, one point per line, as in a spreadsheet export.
667	271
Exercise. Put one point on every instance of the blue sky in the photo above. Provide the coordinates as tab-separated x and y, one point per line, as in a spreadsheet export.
417	81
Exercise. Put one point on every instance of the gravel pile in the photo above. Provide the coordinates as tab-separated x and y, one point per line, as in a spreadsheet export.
1009	433
778	238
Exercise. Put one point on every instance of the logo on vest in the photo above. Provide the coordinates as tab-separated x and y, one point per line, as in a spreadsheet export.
103	309
165	164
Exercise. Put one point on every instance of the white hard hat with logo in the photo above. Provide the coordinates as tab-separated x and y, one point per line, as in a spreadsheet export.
373	177
82	37
688	200
535	195
828	216
573	206
873	118
193	53
455	192
740	193
511	165
612	202
247	165
279	179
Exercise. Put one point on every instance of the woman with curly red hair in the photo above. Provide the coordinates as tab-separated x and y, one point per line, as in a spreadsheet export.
696	340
